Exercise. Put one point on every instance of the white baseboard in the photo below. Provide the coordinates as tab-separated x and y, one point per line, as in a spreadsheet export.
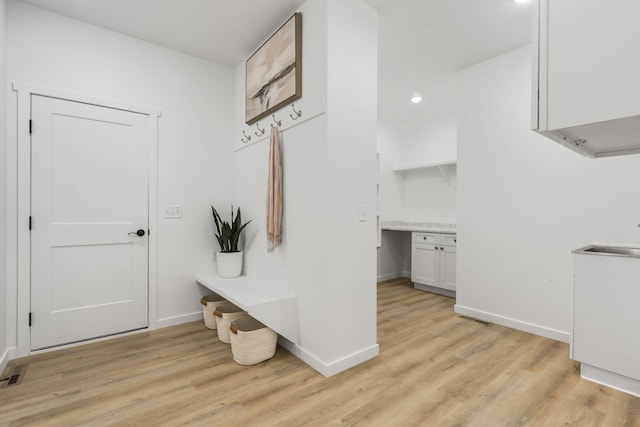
335	367
520	325
89	341
396	275
178	320
9	354
610	379
161	323
435	290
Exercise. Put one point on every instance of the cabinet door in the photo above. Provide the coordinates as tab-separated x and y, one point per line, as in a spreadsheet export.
448	268
606	316
425	264
593	61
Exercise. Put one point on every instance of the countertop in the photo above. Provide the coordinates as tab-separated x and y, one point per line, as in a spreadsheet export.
426	227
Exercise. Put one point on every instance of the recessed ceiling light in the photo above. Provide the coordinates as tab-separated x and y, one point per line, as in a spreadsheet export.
521	1
416	99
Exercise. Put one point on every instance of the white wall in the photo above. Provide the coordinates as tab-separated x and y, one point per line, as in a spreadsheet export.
3	183
430	136
194	136
327	257
390	150
433	138
524	202
428	195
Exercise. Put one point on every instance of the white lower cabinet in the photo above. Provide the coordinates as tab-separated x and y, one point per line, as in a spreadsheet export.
605	336
433	261
425	264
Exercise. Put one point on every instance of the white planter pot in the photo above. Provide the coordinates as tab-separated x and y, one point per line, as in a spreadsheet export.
229	264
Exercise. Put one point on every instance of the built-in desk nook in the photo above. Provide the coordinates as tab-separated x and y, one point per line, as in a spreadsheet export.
264	300
433	254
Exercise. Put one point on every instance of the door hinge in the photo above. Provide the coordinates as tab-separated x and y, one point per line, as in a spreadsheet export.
29	223
29	318
30	126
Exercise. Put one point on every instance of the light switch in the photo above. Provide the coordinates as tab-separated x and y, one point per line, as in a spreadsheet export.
173	211
363	215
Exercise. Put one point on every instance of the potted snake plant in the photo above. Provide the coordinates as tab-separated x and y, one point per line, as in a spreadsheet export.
229	258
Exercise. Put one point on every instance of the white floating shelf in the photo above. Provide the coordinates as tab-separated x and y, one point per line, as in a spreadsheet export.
445	168
275	307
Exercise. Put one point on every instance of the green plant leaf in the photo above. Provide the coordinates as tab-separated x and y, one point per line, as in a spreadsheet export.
228	234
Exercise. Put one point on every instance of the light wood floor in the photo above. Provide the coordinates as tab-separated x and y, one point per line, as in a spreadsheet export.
435	369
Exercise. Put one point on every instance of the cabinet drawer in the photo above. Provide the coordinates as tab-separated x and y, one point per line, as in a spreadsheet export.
449	239
426	238
435	238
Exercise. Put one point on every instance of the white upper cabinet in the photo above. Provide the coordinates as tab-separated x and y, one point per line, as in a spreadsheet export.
586	83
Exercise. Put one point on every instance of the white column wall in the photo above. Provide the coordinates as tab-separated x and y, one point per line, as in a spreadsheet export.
328	256
352	162
300	263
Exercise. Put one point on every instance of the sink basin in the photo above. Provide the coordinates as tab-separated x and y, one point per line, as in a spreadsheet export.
609	250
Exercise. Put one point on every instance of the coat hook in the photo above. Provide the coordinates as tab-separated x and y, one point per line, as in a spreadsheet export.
260	131
278	122
246	138
297	115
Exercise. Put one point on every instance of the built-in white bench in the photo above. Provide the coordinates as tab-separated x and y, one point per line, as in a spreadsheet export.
266	301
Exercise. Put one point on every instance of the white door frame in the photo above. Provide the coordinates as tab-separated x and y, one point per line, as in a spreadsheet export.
18	236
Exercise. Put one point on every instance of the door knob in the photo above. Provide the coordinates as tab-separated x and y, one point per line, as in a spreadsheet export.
140	232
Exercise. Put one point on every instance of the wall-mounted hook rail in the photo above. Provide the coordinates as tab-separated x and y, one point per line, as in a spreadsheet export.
246	138
296	114
260	132
277	122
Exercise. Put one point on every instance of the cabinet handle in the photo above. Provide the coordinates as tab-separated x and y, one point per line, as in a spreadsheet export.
455	240
441	248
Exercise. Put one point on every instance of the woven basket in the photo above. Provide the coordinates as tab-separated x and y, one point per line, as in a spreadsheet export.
251	341
225	314
209	304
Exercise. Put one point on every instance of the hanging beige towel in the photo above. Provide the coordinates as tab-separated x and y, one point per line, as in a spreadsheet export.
274	192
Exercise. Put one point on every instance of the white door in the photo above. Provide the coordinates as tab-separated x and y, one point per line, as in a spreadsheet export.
89	192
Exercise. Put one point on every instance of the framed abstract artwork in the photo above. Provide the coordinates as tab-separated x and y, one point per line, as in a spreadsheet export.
274	71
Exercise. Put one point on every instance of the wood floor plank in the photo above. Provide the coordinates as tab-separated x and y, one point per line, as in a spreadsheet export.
435	368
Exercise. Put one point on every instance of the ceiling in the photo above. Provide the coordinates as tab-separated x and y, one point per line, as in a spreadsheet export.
420	41
423	41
